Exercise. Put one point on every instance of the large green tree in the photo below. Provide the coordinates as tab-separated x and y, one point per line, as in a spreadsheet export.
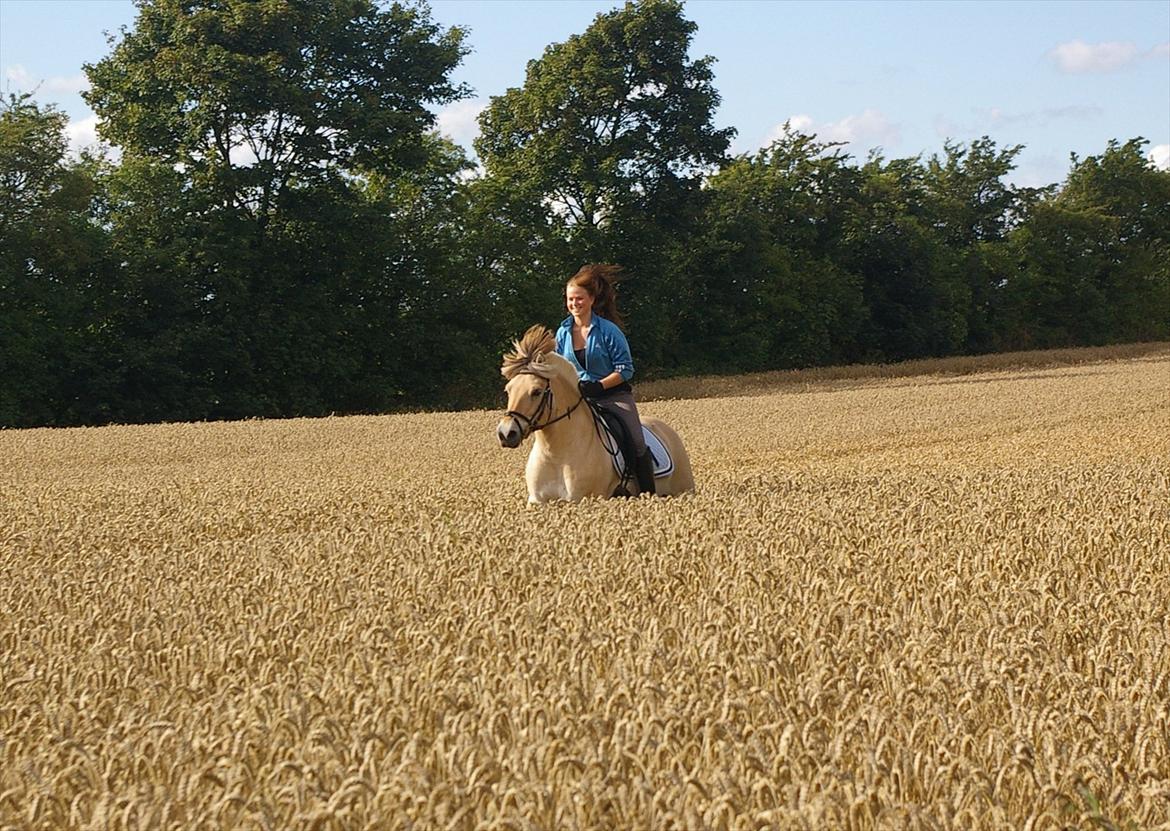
973	207
606	145
252	98
766	291
53	267
615	117
1093	261
243	209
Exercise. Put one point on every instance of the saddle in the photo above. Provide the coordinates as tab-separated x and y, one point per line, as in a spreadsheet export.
616	440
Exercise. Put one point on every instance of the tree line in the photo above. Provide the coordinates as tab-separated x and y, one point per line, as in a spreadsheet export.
284	233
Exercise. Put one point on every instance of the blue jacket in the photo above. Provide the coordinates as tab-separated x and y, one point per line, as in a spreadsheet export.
606	349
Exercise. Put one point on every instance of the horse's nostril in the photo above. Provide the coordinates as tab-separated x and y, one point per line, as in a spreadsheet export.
508	435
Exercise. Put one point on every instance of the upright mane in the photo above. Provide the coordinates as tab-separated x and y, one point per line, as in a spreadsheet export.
529	352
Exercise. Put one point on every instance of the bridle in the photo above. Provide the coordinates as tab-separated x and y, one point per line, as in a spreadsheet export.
529	424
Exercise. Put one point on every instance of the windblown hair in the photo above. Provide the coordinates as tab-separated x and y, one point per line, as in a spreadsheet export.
529	353
600	281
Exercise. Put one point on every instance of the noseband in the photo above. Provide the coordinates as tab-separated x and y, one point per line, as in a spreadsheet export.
529	424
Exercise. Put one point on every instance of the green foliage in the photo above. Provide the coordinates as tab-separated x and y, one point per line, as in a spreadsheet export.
767	292
614	118
600	157
51	268
284	235
1094	257
252	98
273	258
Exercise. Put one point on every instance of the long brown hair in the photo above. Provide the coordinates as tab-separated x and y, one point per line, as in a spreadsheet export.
600	279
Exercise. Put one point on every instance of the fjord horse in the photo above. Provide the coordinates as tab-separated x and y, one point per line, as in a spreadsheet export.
568	460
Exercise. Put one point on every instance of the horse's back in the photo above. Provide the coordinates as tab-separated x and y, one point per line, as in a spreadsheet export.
681	479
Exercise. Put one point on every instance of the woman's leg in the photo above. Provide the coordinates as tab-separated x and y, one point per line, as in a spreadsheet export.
622	405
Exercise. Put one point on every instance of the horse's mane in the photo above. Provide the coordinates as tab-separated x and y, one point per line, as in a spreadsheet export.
529	353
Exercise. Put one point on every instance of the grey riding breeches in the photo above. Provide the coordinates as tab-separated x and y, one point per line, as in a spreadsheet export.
622	405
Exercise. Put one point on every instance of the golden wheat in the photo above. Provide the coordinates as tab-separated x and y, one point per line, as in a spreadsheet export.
929	602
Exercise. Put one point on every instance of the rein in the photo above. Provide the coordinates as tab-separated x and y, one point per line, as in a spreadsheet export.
530	426
598	426
546	401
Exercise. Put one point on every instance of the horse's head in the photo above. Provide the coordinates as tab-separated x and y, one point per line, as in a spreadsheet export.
535	373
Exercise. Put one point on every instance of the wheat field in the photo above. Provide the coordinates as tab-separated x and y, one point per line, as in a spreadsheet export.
929	601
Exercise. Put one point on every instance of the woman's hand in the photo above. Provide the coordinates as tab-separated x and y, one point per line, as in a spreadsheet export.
590	389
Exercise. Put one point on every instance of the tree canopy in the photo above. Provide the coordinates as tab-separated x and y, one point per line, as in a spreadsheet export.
250	98
609	120
284	233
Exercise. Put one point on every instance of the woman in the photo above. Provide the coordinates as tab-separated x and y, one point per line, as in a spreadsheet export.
591	340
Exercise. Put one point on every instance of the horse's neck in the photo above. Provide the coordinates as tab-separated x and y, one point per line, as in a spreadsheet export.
570	436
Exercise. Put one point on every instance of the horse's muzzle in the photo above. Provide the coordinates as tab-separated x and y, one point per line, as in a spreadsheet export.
509	433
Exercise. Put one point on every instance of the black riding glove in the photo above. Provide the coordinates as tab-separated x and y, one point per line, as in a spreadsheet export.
590	389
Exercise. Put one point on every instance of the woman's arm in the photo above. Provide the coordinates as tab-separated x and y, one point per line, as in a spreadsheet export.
619	354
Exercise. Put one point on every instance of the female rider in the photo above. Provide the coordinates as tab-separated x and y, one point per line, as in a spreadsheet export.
590	339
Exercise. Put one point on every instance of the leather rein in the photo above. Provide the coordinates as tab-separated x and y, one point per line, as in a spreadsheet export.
529	425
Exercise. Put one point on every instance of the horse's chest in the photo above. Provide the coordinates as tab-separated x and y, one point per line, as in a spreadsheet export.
550	480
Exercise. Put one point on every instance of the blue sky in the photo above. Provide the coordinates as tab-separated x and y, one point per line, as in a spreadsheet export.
1057	77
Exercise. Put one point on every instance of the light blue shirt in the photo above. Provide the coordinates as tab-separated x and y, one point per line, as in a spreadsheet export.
606	349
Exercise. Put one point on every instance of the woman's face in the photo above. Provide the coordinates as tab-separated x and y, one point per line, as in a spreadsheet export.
578	301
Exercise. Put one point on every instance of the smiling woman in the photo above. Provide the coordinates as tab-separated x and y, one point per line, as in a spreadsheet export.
592	341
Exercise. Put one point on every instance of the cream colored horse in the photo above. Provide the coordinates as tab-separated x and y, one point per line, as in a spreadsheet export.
568	460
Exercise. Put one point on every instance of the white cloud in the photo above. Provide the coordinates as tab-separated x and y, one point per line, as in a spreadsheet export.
795	124
987	120
799	123
18	76
1037	170
1076	112
1077	56
1160	156
460	121
944	128
997	117
82	134
872	128
241	155
25	81
865	131
70	85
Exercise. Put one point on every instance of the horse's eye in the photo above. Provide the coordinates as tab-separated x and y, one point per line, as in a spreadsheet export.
535	393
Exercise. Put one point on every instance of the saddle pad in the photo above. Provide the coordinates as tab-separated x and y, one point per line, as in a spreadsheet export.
663	463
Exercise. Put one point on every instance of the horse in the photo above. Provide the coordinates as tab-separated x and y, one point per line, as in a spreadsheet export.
569	459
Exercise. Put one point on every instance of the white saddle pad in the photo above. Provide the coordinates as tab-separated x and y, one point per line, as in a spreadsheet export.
663	464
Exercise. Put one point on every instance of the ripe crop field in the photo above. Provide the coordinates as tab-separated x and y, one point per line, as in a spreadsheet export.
930	601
